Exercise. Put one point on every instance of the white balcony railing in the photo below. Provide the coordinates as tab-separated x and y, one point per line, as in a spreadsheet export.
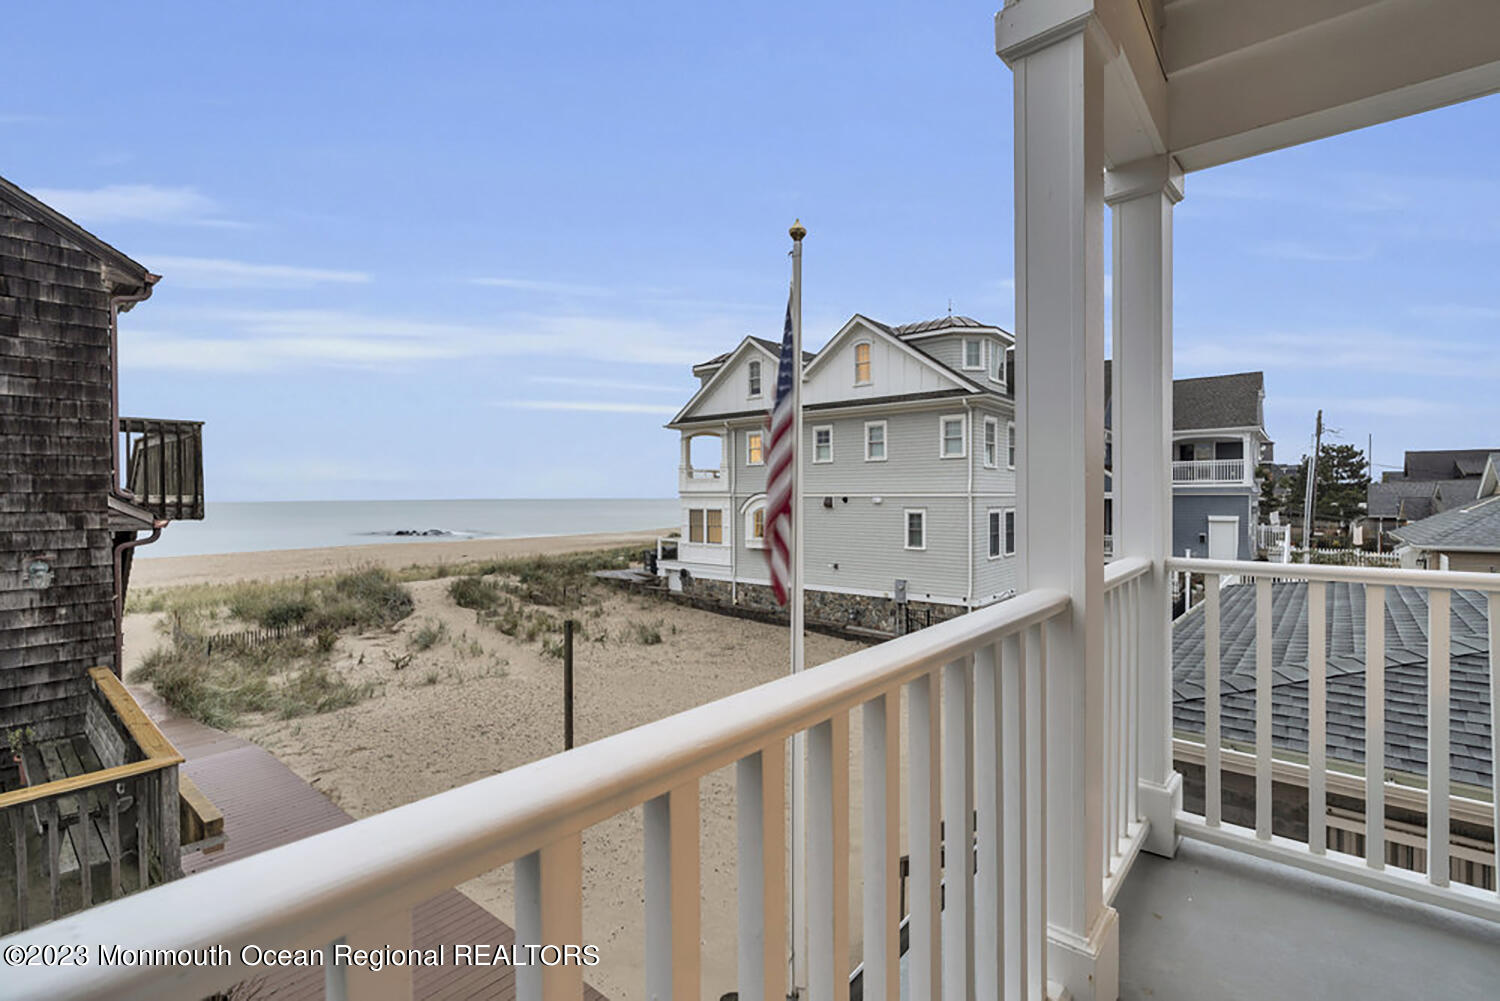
1209	471
975	691
692	480
1266	760
1123	827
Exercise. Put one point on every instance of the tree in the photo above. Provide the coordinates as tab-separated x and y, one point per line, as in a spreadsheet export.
1343	480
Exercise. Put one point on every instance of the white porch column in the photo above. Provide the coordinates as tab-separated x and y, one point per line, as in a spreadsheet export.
1059	177
1141	195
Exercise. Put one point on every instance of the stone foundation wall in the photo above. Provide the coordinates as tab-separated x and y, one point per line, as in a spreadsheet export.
830	608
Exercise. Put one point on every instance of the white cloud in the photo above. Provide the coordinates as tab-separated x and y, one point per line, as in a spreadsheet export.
569	380
590	406
533	285
210	272
1456	311
135	203
226	340
1345	351
1296	250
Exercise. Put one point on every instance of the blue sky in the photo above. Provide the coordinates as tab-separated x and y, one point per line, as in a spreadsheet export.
470	250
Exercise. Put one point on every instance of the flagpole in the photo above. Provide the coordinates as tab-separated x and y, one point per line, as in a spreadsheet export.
799	742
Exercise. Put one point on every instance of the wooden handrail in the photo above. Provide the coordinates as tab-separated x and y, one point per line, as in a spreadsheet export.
152	742
78	783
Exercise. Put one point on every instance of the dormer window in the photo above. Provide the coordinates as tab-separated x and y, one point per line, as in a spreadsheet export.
862	363
973	353
754	379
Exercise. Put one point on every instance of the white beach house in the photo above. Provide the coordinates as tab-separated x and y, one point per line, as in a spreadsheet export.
1032	738
909	447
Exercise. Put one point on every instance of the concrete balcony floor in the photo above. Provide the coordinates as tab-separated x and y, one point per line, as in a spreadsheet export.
1217	924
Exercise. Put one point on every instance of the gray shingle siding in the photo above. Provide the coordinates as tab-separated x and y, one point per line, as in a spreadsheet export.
1190	512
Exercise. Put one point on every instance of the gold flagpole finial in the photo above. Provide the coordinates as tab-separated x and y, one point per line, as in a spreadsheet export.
798	231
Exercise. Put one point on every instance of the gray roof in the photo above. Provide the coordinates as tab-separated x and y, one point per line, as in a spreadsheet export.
1210	401
772	346
1445	464
949	322
1412	500
1474	527
1405	675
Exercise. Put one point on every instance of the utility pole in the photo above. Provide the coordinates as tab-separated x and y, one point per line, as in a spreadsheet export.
1311	495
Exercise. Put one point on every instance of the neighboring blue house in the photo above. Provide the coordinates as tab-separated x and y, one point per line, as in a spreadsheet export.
1218	440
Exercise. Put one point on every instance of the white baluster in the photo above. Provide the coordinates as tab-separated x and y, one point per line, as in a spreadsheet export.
1212	766
1317	717
760	784
958	855
923	783
989	803
882	848
1375	726
828	859
1263	678
1437	736
672	896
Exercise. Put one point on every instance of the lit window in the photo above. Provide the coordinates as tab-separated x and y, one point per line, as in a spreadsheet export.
695	525
823	444
755	378
973	353
1010	533
952	438
995	534
861	363
916	530
754	449
1010	446
758	523
991	441
875	441
714	526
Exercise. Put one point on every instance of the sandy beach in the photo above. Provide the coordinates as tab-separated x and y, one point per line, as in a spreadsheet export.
479	702
225	568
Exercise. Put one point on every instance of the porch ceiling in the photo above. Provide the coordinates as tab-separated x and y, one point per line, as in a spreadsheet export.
1248	77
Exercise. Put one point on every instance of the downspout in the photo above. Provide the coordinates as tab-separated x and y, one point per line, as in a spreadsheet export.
730	516
121	304
969	432
156	528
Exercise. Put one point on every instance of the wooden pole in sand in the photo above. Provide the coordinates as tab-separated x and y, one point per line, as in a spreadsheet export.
567	684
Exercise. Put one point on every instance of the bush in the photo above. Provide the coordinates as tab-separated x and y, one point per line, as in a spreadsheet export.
428	635
645	633
474	593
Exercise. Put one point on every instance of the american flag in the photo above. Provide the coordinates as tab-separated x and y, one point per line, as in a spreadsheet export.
781	479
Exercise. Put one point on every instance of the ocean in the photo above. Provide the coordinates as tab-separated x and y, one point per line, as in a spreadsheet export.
246	527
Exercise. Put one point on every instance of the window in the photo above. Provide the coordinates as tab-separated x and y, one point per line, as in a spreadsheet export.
997	363
916	528
1009	517
973	353
996	533
991	442
875	441
755	378
755	453
951	437
823	443
706	525
862	363
755	524
1010	445
1010	370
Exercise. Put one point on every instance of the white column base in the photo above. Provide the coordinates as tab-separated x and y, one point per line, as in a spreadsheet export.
1159	805
1086	970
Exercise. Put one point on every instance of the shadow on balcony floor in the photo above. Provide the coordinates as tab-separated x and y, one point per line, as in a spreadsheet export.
1216	924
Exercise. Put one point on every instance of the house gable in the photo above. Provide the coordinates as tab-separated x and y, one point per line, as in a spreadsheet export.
896	368
727	390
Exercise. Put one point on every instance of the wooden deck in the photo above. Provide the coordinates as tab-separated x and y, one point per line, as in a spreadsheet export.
265	805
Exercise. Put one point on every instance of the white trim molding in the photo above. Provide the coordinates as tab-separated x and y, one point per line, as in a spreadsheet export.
885	441
963	436
817	429
906	514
